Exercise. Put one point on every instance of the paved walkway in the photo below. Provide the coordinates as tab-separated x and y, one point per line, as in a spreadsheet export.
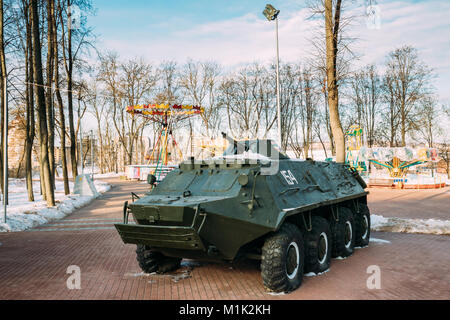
33	265
410	203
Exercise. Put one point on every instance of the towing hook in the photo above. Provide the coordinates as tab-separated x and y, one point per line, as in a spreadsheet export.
187	193
125	212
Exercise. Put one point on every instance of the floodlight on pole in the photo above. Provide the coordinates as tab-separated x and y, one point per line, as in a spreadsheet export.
272	14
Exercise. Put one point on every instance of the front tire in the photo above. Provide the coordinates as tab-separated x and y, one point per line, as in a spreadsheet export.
152	261
343	232
362	226
318	246
283	257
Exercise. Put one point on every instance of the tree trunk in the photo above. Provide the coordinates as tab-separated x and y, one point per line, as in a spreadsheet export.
73	138
49	94
403	126
2	95
62	121
29	138
100	137
331	31
62	118
42	115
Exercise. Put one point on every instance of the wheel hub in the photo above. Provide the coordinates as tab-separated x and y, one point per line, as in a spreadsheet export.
365	227
323	247
348	234
292	260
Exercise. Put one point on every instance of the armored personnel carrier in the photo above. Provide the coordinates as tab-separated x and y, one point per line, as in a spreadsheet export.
252	202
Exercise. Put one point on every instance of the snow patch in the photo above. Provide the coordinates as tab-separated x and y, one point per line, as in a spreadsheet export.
109	175
23	215
424	226
139	274
377	221
313	274
276	293
379	240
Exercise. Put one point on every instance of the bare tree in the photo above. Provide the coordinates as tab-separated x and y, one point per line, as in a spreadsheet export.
73	41
365	95
333	58
290	90
247	97
98	110
3	77
46	178
332	20
62	118
129	84
407	84
139	79
307	112
428	122
199	81
444	153
51	42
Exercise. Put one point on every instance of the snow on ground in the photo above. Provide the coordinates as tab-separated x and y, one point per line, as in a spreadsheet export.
426	226
276	293
109	175
376	240
23	215
88	170
313	274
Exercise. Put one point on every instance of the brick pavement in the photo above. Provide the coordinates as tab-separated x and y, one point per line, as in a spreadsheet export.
33	265
410	203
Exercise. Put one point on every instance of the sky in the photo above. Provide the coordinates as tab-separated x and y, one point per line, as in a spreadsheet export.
234	32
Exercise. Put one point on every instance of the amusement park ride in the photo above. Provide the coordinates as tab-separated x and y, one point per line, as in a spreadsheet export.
354	144
166	115
396	160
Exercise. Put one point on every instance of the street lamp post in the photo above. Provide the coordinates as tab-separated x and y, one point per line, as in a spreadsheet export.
272	14
92	155
5	151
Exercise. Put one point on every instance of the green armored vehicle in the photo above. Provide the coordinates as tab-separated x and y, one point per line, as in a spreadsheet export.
252	202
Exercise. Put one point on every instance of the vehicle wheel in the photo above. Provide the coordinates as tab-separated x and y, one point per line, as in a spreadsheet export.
283	259
152	261
362	226
343	233
318	246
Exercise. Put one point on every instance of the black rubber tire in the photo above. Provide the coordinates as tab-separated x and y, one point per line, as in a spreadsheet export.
316	260
151	261
343	242
362	226
276	250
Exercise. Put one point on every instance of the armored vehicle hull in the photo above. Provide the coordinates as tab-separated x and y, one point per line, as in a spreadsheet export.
294	220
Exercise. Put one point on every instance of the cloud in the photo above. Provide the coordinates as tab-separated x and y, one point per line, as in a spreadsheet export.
248	38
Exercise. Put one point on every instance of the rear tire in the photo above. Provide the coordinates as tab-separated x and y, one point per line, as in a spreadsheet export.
318	246
152	261
283	259
362	226
343	233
